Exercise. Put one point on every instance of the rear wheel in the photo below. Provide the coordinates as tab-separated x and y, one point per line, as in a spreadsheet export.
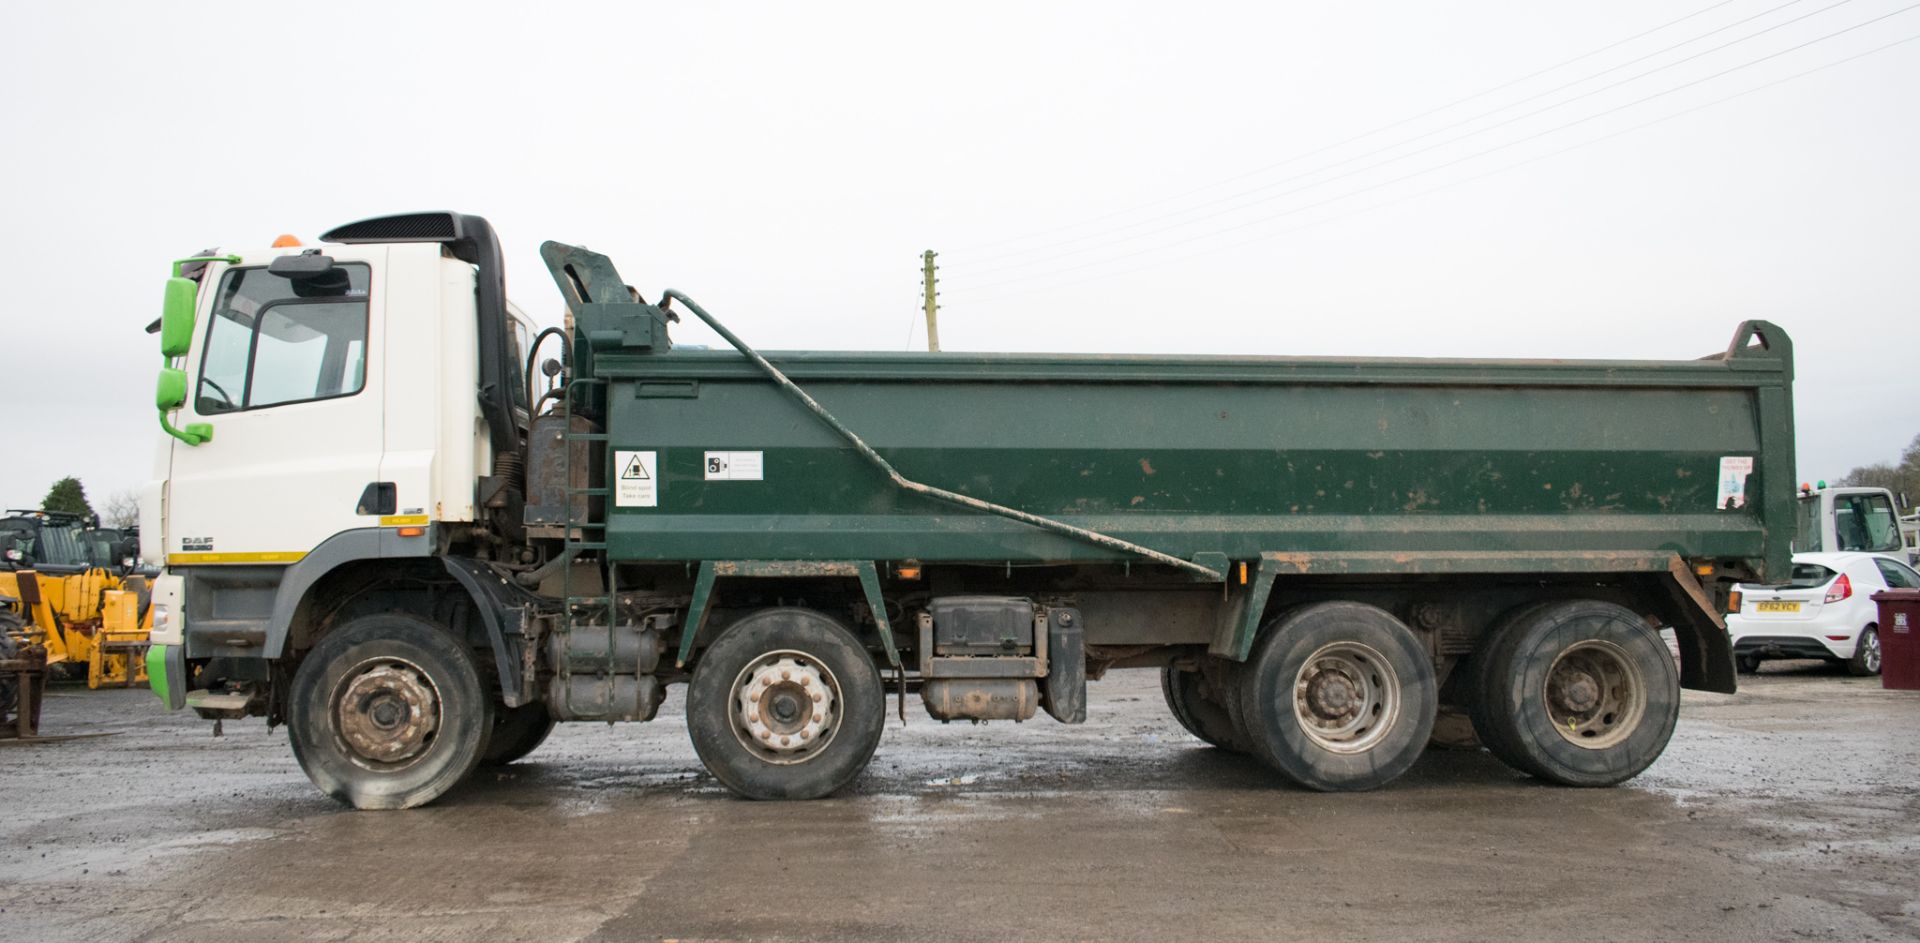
785	704
1579	692
388	712
1866	654
1339	696
1484	709
1199	709
517	731
1748	664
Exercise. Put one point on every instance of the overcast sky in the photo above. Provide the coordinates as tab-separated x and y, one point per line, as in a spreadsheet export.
1509	179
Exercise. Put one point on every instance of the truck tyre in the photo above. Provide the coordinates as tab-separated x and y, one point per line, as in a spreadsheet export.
1204	717
1483	707
1578	692
1338	696
388	712
517	731
1866	654
785	704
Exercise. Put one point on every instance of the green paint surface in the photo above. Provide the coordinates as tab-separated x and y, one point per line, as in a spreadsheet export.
1203	455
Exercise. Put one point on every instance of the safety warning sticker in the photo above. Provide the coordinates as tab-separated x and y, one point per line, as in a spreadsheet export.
635	479
1732	493
734	466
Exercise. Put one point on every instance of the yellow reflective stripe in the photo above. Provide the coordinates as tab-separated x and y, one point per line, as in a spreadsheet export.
271	556
403	520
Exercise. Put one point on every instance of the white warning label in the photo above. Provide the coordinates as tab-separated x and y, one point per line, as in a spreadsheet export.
1732	493
636	481
734	466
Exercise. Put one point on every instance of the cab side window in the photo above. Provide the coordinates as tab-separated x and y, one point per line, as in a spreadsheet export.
1866	523
275	341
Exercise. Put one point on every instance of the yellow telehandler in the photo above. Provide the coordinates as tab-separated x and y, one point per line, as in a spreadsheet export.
73	590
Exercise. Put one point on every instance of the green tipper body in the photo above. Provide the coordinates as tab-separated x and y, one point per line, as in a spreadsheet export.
1205	456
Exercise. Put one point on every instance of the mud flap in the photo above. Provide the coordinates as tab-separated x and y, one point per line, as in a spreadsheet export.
1064	691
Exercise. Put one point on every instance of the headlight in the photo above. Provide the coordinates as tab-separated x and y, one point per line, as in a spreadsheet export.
162	619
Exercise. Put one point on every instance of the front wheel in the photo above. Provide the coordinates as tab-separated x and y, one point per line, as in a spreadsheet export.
1339	696
1748	664
785	704
388	712
1579	692
1866	654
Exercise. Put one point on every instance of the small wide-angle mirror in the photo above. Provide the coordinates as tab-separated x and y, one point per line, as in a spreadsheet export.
171	391
176	317
302	267
313	275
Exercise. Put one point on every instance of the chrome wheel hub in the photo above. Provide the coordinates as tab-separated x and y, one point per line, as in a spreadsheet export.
387	712
786	707
1595	694
1346	697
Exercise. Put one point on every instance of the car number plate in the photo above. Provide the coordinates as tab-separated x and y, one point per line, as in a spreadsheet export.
1779	607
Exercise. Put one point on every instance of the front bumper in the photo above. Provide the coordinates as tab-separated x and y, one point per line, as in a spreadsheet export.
167	674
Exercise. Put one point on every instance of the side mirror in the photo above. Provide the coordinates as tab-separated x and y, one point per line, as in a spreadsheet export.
176	317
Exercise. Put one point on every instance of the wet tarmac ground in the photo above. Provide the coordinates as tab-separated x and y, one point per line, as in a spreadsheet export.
1789	811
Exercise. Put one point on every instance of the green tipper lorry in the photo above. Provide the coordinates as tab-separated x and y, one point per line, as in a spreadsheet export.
391	525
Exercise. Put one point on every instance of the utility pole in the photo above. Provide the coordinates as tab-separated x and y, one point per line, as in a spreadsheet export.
928	282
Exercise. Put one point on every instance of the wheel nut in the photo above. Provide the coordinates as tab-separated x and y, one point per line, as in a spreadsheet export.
786	676
766	735
806	680
785	740
754	697
816	697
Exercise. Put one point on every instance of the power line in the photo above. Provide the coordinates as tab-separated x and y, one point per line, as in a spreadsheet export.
1364	134
1431	147
1427	170
1482	176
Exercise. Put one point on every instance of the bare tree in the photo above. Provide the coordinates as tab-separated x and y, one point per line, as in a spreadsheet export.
1902	479
121	509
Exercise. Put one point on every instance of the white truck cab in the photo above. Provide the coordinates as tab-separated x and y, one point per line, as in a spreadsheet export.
1841	519
307	422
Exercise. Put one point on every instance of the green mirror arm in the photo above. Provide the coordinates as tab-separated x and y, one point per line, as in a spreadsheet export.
178	264
194	434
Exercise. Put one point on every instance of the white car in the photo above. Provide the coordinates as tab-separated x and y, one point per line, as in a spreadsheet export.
1825	611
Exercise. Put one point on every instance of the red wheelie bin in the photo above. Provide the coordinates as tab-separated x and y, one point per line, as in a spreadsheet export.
1899	638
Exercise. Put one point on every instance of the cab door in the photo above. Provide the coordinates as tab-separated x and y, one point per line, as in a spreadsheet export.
288	372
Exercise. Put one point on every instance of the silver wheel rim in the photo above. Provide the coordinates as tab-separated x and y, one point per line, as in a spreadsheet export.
1871	657
1346	697
785	707
386	714
1595	694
